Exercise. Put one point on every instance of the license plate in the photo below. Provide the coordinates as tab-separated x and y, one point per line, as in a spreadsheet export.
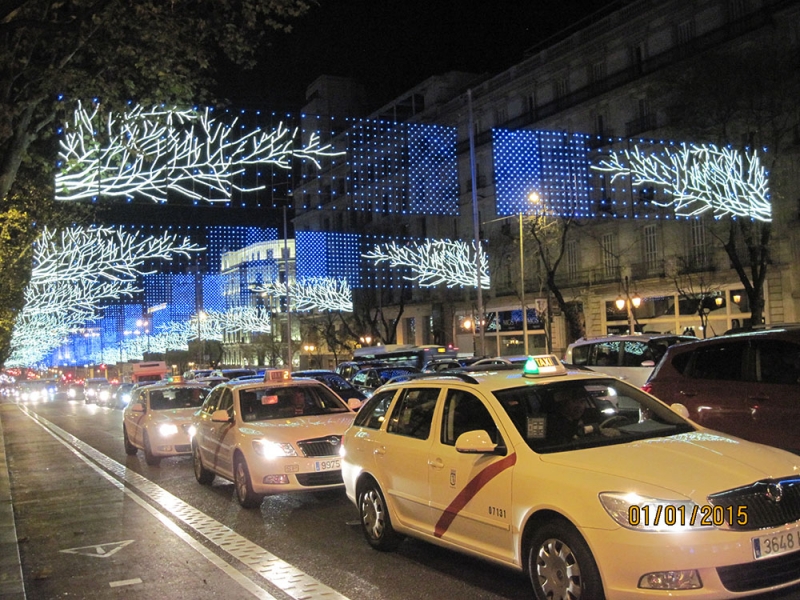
328	465
782	542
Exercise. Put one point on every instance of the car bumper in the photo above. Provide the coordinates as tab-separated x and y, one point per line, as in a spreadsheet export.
723	560
294	474
173	445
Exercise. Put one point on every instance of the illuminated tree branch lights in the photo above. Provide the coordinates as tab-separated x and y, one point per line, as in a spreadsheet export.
699	178
313	293
435	262
150	152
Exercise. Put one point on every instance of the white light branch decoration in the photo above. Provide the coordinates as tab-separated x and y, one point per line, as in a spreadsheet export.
150	152
79	270
434	262
699	178
313	293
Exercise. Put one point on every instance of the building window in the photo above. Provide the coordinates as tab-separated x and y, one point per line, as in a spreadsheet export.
650	234
560	88
411	330
685	32
598	72
610	261
501	115
572	259
698	253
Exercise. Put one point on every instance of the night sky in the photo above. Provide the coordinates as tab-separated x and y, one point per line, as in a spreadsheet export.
393	45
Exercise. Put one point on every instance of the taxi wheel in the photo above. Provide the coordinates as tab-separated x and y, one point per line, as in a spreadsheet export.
203	475
130	449
375	520
244	489
149	457
561	566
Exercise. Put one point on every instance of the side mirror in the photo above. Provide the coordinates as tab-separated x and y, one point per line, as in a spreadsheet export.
138	407
220	416
680	409
475	442
354	403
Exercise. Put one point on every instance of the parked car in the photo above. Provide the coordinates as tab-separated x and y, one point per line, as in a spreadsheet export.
233	373
336	382
158	419
441	364
348	369
368	380
746	384
271	436
587	484
629	357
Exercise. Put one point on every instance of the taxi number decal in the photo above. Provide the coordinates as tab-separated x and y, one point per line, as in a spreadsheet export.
469	492
497	512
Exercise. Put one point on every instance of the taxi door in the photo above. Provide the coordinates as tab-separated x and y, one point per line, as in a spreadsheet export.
401	456
470	493
216	439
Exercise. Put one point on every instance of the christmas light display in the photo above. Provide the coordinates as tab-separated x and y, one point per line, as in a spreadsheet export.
435	262
553	165
699	178
329	254
403	168
151	152
78	270
312	293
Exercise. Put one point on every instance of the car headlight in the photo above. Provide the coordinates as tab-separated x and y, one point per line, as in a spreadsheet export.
125	398
269	449
641	513
166	429
71	393
104	395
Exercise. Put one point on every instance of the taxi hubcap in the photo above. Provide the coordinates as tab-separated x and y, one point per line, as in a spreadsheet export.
241	480
372	513
558	571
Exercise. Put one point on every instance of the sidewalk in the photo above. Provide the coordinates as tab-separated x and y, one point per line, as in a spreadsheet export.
12	586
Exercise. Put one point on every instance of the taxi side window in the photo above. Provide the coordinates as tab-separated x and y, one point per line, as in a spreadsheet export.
373	413
413	413
464	412
226	402
212	400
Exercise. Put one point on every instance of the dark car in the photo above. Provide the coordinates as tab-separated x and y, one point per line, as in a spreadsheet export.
370	379
121	396
441	364
336	382
349	368
745	384
96	390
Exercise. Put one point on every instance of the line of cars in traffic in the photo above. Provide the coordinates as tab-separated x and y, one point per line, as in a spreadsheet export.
581	479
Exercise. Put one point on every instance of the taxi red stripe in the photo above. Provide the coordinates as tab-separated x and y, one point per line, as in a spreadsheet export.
469	491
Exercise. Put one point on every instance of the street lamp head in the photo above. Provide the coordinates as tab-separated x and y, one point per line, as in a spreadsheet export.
636	301
620	303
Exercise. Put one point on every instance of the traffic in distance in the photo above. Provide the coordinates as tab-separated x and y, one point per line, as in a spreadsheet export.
554	469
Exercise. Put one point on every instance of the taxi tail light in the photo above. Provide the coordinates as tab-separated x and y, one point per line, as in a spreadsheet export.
648	387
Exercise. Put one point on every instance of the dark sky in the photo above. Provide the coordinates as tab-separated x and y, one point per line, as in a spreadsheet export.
392	45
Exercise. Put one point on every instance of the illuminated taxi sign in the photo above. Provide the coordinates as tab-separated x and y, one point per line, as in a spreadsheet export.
277	375
543	365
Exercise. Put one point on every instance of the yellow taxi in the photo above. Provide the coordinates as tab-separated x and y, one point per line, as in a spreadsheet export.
271	436
589	485
158	419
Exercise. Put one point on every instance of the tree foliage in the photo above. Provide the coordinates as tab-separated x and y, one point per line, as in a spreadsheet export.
53	53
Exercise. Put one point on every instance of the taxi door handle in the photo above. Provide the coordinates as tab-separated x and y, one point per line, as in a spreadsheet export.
380	451
436	463
688	394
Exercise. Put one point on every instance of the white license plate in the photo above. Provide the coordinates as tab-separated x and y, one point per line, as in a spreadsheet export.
328	465
782	542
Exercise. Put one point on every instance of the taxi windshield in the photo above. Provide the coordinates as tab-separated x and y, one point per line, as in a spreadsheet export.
266	403
171	398
587	413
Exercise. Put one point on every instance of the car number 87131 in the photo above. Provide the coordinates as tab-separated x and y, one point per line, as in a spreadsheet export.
328	465
767	546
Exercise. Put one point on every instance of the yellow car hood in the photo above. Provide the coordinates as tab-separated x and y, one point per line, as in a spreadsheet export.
691	464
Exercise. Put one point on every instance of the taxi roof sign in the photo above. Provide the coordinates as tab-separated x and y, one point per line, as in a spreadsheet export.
543	365
277	375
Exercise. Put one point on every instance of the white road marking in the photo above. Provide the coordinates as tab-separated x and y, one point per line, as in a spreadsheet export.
124	582
99	550
277	572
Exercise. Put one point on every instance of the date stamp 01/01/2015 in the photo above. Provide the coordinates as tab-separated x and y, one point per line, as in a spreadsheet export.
678	515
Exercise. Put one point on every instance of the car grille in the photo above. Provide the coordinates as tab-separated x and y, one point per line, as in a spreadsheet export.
768	503
327	446
760	574
323	478
183	448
